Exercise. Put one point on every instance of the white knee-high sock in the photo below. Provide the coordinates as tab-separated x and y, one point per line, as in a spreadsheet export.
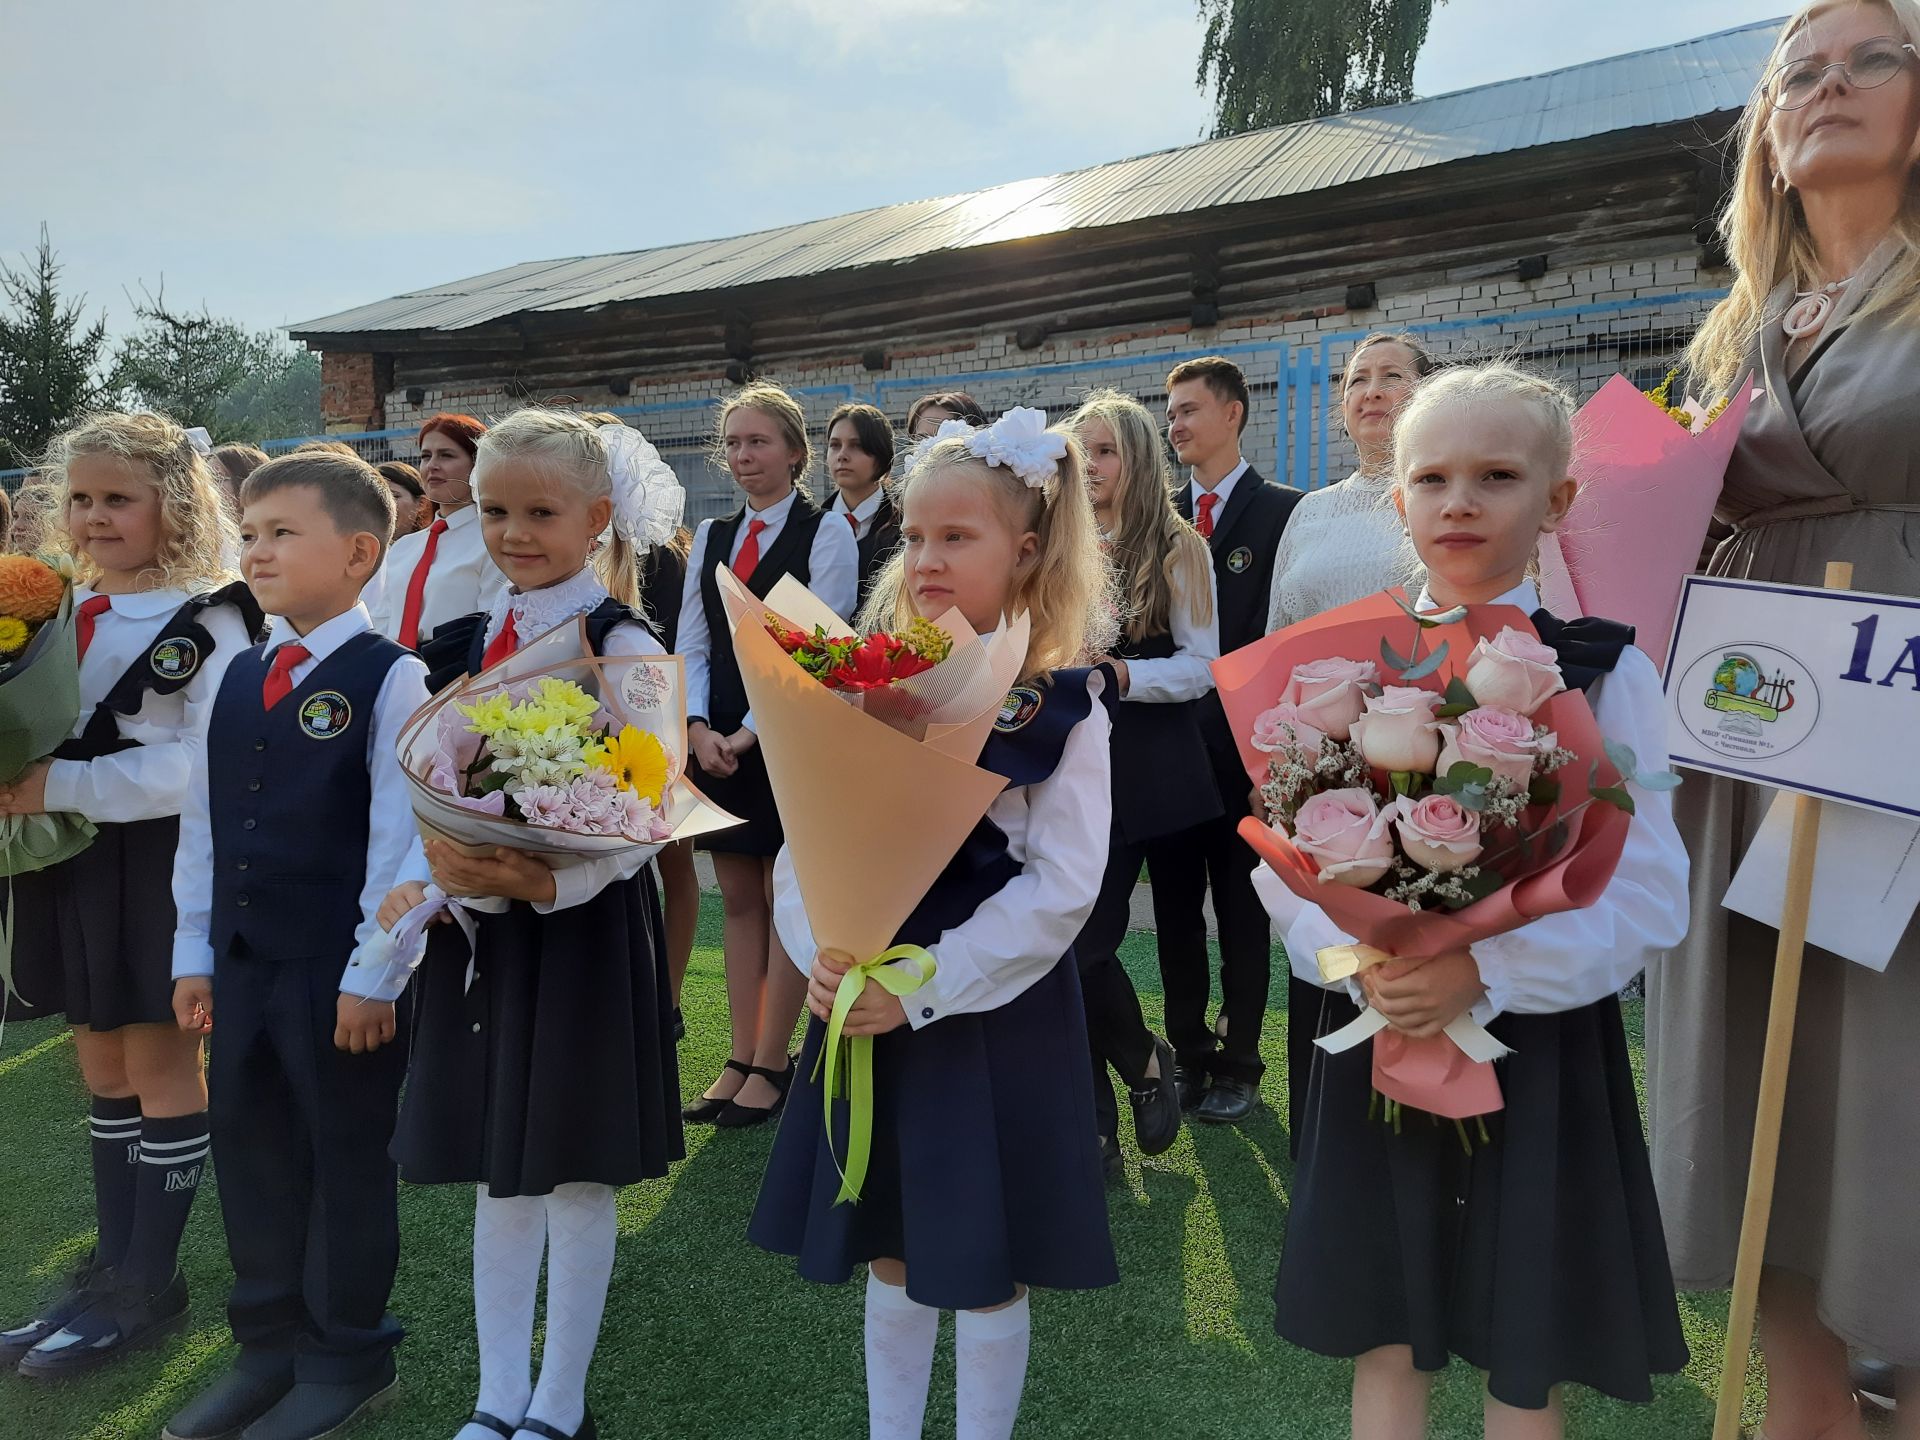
900	1336
581	1231
509	1239
990	1369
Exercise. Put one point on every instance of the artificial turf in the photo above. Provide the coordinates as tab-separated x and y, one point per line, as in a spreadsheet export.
706	1336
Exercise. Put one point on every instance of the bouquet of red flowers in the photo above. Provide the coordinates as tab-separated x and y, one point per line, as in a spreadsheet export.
863	662
1426	800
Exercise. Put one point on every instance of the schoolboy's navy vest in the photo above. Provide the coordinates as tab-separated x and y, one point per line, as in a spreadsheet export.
290	792
791	553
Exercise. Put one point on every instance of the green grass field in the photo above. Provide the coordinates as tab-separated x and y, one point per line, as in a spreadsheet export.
707	1336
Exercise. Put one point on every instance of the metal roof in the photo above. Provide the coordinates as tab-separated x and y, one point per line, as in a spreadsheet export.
1651	87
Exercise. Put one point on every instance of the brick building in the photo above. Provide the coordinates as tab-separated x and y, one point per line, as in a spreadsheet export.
1564	218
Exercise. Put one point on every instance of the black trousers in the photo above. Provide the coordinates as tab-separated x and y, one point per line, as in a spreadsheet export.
1183	868
308	1194
1117	1033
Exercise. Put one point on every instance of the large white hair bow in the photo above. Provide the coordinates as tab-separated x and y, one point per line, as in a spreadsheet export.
1021	442
947	431
648	499
201	442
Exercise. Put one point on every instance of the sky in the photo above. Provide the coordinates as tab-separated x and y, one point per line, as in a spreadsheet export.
278	163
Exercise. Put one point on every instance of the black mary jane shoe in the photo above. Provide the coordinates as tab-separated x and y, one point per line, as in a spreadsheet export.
494	1423
739	1117
1229	1101
587	1430
706	1110
1190	1085
86	1284
125	1319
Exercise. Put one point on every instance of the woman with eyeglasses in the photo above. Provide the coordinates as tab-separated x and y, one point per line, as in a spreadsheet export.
1823	229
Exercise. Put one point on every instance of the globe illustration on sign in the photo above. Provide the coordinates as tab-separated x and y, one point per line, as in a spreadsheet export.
1737	675
1741	687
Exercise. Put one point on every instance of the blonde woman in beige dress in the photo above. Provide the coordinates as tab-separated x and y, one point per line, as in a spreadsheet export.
1826	204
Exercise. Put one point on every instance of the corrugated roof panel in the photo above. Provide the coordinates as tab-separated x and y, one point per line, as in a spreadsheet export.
1694	78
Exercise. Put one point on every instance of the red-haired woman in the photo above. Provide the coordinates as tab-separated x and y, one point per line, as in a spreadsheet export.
442	572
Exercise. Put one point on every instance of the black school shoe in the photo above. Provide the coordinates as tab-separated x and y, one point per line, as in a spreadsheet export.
120	1320
735	1116
1156	1104
1189	1085
587	1430
1229	1101
86	1284
310	1410
229	1405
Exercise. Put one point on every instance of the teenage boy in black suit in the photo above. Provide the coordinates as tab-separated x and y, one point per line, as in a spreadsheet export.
1240	514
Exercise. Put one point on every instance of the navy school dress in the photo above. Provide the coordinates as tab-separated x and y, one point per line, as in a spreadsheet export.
1540	1258
985	1173
93	936
746	793
558	1065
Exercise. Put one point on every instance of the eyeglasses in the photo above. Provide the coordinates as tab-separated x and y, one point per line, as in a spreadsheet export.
1870	64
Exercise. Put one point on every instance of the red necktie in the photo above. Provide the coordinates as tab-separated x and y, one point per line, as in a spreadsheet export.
1205	523
749	555
502	645
279	679
417	587
90	609
854	521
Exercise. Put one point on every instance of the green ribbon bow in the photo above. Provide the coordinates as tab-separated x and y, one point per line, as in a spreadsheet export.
915	968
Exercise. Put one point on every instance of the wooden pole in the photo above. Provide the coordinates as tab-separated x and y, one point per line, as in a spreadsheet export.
1787	958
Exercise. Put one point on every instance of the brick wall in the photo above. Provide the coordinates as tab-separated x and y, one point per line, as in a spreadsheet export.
353	391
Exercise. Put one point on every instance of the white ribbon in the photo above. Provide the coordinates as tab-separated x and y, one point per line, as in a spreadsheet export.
648	499
1467	1033
398	952
201	442
1021	441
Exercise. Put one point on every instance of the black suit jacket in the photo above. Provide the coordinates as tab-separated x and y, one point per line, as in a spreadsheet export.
1246	536
878	544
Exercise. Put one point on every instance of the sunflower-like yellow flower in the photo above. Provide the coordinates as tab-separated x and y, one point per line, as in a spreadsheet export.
13	635
637	761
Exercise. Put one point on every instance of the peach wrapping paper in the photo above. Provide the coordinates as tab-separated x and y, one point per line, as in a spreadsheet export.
1431	1074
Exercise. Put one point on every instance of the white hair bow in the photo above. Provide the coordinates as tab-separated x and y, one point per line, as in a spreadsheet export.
1021	442
201	442
648	499
947	431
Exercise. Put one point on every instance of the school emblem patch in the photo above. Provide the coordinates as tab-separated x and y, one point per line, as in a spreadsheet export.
1239	559
1021	705
175	658
325	715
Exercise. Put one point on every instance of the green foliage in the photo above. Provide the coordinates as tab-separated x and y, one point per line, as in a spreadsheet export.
50	358
202	370
1269	62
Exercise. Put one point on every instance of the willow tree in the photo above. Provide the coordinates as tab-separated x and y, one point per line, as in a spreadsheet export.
1269	62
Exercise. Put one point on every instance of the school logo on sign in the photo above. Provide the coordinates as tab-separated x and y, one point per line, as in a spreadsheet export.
1239	559
1751	702
325	715
1021	705
175	659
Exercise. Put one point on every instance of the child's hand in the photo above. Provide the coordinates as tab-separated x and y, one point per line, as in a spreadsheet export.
1420	998
362	1026
716	757
26	794
509	874
399	901
193	1004
876	1011
741	741
823	983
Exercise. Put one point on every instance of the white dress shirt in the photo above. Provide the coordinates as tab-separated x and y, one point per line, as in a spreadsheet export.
1342	543
373	595
1223	491
534	613
862	513
151	781
390	828
1187	674
463	579
1576	957
834	566
1057	831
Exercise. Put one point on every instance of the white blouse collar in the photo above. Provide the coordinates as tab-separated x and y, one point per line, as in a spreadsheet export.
1523	596
537	611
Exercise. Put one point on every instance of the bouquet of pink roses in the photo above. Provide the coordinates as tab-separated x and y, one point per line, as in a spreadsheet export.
1425	802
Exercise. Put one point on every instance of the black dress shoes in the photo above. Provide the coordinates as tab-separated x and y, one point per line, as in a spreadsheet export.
85	1285
735	1116
310	1410
1111	1165
705	1110
229	1405
1189	1085
1229	1101
122	1319
1156	1104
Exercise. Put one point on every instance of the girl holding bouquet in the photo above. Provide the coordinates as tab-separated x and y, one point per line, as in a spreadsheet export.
1536	1256
1162	783
549	1080
984	1177
777	531
158	619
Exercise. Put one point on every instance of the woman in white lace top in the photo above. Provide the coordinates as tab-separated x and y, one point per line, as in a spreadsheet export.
1341	544
1346	541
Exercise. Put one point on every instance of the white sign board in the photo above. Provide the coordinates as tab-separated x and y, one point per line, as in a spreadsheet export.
1800	688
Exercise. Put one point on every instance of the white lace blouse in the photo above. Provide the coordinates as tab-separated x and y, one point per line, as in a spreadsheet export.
1342	543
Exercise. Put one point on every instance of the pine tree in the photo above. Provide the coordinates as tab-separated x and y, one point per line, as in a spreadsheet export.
50	371
1270	62
203	370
